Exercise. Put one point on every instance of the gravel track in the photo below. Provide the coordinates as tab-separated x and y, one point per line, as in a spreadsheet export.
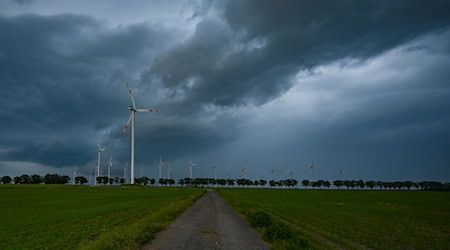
209	224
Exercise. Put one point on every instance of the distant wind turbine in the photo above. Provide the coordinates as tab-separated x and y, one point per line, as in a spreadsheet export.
74	174
312	168
133	110
244	169
168	171
97	172
215	177
161	163
190	168
109	169
125	172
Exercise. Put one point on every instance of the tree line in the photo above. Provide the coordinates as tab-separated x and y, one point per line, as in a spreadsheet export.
286	183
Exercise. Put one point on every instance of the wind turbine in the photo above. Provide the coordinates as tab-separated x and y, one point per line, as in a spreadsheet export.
99	150
245	169
109	169
190	168
214	167
168	171
215	177
133	110
161	163
90	175
74	174
291	174
312	168
125	172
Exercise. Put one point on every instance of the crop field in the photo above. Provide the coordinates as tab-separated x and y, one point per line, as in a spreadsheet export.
83	217
352	218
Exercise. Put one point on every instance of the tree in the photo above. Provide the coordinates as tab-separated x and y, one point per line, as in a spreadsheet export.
80	180
305	183
361	184
65	179
262	183
122	181
319	183
222	182
36	179
16	180
25	179
272	183
338	183
6	179
163	181
152	181
371	184
145	180
56	179
326	184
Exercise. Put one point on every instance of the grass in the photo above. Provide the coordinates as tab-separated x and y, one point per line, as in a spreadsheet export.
330	219
83	217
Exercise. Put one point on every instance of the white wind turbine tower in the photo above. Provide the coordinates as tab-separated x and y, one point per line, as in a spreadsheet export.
133	110
109	168
125	172
215	177
74	174
190	168
90	175
97	172
161	163
168	171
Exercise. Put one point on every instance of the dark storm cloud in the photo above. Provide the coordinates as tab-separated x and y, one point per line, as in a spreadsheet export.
63	77
62	86
250	53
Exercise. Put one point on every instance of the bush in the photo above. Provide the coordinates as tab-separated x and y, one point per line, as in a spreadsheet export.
277	231
259	219
297	243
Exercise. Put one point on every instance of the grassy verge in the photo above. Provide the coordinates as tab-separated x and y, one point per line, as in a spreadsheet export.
71	217
330	219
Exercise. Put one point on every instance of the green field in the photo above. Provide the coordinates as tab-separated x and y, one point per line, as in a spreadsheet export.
353	219
74	217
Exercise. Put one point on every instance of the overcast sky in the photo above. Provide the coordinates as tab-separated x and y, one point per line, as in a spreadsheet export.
361	86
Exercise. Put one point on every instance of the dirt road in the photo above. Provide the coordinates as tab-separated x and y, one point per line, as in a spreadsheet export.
209	224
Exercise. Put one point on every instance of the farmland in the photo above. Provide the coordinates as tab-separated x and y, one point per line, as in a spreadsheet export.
353	218
73	217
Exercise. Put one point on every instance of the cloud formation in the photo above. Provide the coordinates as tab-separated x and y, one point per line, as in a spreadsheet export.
361	84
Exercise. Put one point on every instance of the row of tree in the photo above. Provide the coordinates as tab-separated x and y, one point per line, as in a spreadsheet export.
36	179
358	184
425	185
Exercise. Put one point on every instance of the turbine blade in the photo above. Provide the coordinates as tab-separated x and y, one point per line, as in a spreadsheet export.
99	148
147	110
132	99
128	123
